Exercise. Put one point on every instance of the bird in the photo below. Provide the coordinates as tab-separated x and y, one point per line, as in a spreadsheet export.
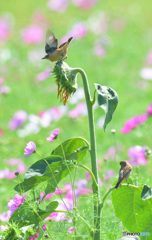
124	172
53	51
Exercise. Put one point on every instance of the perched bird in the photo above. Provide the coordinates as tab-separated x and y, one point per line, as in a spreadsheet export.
124	172
55	53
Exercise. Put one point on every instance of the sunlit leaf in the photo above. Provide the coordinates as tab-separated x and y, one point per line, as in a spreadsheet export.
27	214
134	212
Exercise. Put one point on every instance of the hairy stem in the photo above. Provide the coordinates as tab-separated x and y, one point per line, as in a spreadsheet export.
92	153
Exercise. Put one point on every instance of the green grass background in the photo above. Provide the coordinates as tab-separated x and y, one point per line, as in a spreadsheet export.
119	69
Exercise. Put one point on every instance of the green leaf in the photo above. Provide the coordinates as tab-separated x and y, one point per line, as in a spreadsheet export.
146	193
26	214
107	100
135	213
54	168
36	173
73	148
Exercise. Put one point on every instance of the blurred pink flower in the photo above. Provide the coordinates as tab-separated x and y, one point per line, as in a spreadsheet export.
32	34
146	73
43	75
63	205
6	173
71	229
5	216
14	204
84	4
149	58
18	118
81	109
4	29
37	235
88	176
99	51
81	184
149	110
108	174
137	155
30	148
57	5
133	123
1	132
3	227
54	135
79	30
5	90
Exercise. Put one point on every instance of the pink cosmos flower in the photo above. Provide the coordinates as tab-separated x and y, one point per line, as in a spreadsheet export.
32	34
84	4
18	119
4	29
63	205
58	6
37	235
78	31
30	148
149	110
133	123
71	229
99	51
53	135
80	109
14	204
43	75
137	155
5	90
149	58
5	216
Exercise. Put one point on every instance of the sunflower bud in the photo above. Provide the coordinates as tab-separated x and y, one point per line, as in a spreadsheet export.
66	80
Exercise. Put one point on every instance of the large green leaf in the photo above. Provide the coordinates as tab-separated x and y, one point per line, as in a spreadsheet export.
26	214
107	100
134	212
73	148
54	168
36	174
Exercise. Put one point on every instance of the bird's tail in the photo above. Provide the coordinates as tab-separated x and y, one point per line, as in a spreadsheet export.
117	185
69	40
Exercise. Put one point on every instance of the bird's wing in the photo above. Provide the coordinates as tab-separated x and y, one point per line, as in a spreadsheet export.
62	45
123	172
51	43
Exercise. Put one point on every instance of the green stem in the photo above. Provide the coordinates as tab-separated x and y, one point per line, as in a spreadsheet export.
91	173
88	226
96	192
104	197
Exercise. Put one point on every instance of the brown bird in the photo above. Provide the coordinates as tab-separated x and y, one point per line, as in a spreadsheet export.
124	172
55	53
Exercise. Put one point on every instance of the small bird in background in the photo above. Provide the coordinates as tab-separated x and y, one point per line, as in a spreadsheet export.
124	172
55	53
